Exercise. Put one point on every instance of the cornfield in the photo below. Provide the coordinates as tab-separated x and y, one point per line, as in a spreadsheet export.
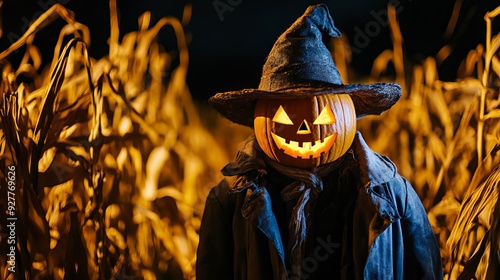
112	161
444	137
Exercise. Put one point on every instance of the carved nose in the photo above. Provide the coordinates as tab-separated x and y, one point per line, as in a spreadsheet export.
304	128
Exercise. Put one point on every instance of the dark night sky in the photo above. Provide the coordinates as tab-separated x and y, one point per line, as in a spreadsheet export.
227	49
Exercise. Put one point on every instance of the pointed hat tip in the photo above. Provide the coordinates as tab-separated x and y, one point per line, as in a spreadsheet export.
300	56
300	65
320	16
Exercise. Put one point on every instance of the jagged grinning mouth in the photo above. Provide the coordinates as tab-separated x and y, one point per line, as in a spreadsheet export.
307	150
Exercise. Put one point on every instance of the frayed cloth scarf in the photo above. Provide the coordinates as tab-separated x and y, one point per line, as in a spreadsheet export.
250	165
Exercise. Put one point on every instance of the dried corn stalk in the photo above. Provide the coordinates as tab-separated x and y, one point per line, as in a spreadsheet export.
114	164
444	136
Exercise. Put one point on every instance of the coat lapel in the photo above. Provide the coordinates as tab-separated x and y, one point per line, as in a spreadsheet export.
257	209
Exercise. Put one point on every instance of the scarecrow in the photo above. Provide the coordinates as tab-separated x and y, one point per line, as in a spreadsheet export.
310	199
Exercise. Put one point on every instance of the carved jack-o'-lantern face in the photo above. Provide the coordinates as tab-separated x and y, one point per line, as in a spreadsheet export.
305	132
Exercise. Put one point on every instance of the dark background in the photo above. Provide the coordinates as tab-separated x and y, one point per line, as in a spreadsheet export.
227	48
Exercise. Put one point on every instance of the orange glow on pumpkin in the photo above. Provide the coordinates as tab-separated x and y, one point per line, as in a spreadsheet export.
305	132
308	149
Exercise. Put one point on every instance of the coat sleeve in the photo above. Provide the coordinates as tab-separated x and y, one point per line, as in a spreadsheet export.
421	252
215	249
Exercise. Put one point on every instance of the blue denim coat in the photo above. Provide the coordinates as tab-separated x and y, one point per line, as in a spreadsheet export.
391	235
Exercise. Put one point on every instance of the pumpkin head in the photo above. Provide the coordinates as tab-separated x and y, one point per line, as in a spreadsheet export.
305	132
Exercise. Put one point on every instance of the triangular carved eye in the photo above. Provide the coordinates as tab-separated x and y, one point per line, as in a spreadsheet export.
326	116
282	117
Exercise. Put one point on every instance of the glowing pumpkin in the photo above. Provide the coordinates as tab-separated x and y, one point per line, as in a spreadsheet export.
305	132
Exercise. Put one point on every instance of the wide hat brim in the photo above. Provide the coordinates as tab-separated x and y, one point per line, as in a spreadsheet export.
300	65
372	99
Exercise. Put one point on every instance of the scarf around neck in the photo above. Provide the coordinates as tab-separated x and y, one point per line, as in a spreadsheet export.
302	192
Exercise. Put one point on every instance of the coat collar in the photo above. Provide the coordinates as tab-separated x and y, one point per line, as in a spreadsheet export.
374	169
374	172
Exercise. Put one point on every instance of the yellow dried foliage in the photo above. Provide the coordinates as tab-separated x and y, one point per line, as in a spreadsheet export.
443	136
113	161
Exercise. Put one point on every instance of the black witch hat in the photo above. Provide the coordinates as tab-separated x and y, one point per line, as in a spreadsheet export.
300	65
